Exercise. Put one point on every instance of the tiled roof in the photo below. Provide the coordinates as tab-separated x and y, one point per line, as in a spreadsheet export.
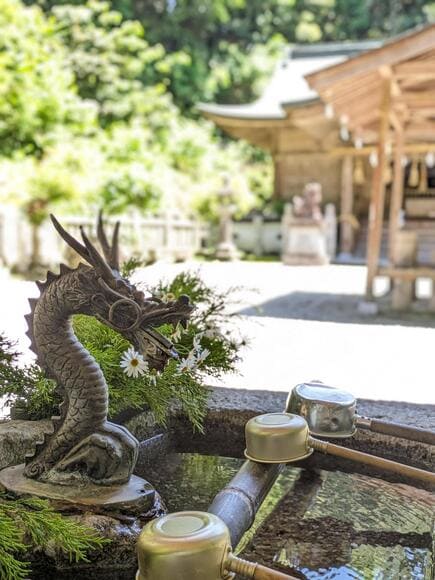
287	86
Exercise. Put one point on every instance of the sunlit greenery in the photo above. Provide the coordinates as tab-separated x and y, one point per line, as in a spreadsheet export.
87	119
215	43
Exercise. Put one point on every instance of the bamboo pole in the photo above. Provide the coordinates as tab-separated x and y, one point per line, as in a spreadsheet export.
396	192
239	501
376	211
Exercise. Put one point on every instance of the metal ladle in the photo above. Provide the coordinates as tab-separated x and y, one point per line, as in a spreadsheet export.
331	412
285	438
193	545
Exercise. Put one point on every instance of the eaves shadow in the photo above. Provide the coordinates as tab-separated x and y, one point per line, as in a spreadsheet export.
340	308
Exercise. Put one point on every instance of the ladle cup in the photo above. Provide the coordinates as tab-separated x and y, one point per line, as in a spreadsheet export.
194	545
331	412
285	438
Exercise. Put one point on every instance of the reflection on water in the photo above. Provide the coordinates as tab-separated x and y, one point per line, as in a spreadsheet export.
373	503
369	562
188	481
328	525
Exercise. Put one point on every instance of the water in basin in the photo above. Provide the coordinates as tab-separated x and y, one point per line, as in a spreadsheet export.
328	525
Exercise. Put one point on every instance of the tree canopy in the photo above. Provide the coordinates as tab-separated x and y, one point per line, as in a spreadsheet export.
214	40
87	118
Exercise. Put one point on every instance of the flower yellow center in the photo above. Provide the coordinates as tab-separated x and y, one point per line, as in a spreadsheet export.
134	362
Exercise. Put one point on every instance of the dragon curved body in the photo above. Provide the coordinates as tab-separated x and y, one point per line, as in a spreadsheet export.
84	445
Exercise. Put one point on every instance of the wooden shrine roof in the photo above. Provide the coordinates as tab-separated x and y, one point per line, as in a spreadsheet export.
354	88
287	87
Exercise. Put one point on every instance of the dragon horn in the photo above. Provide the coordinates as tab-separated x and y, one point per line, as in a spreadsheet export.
114	259
72	242
96	259
111	253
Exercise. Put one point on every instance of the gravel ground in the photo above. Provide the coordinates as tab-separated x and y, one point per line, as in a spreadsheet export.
302	323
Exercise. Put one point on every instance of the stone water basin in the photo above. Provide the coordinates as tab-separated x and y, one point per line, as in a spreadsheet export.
321	524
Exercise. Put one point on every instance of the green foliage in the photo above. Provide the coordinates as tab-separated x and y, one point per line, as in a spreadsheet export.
210	329
130	186
116	139
220	37
111	60
32	523
37	93
25	383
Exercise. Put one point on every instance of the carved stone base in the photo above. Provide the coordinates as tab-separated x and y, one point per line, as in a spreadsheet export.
305	243
135	497
227	251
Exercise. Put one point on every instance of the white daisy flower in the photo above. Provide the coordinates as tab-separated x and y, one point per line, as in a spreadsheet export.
186	364
197	341
202	356
167	297
133	363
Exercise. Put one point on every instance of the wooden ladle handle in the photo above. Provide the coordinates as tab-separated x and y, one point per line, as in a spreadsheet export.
397	430
373	460
253	570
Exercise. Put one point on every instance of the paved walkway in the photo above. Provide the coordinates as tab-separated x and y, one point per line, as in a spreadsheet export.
302	324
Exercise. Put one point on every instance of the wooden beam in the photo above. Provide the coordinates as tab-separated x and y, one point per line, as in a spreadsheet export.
403	48
362	86
358	106
346	206
362	121
376	212
348	85
368	149
415	69
396	191
421	131
278	177
407	273
417	98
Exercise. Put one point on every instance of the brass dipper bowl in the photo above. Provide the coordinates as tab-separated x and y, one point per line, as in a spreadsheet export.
193	545
185	545
331	412
277	438
284	438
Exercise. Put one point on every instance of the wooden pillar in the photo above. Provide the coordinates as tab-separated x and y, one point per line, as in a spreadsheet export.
396	192
346	206
376	210
278	177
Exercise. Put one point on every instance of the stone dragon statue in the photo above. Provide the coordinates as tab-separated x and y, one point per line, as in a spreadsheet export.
84	446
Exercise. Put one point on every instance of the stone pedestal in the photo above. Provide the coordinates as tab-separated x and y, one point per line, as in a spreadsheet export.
304	243
134	497
227	251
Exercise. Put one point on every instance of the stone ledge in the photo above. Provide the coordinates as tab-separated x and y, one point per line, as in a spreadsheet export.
229	409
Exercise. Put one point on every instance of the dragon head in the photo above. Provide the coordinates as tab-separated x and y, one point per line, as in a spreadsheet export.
114	301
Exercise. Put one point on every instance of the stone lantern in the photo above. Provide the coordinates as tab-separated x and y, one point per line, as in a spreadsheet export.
226	249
